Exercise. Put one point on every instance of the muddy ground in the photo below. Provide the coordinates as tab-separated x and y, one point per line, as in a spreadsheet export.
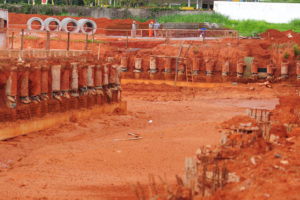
82	160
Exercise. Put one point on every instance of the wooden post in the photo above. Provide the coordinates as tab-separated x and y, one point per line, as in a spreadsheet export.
87	42
99	51
126	39
48	41
68	44
22	39
12	40
204	178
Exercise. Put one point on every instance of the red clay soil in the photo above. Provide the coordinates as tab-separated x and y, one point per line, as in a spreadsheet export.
237	120
269	170
82	160
274	175
281	37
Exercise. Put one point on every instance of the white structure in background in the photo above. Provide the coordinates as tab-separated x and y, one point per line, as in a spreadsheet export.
269	12
3	27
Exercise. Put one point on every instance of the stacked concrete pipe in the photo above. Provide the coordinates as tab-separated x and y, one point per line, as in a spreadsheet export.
50	20
66	21
87	26
35	19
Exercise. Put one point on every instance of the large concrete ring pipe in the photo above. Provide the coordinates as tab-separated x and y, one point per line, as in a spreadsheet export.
70	25
87	26
35	23
52	24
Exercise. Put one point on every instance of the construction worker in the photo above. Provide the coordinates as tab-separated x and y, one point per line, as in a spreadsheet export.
151	29
156	27
203	33
133	29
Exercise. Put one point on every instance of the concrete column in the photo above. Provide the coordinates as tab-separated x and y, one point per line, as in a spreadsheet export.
44	82
225	68
11	83
254	68
284	69
90	79
65	80
11	88
138	65
270	70
98	76
196	66
124	63
181	67
240	69
24	92
74	79
105	74
55	73
24	85
35	86
90	76
118	75
298	69
153	64
209	64
82	70
168	65
112	75
98	80
118	82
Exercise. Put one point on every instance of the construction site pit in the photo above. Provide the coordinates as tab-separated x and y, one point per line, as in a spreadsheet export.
111	115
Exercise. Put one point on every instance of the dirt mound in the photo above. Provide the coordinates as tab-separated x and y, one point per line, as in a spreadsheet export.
281	37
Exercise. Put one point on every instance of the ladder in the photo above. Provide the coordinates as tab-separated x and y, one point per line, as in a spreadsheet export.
188	68
189	73
177	58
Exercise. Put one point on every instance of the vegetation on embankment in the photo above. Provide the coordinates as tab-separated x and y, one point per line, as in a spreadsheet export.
245	27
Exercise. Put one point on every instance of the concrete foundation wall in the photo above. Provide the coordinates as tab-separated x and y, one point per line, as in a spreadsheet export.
270	12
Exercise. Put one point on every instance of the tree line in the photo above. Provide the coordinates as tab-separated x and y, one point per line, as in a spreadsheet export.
131	3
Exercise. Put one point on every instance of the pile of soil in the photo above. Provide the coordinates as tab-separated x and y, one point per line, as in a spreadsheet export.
281	37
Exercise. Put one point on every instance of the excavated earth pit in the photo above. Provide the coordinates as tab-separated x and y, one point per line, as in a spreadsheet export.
88	154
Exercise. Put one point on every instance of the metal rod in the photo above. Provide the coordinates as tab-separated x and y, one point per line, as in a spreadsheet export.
68	44
99	51
87	42
22	39
48	41
176	68
126	39
12	40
